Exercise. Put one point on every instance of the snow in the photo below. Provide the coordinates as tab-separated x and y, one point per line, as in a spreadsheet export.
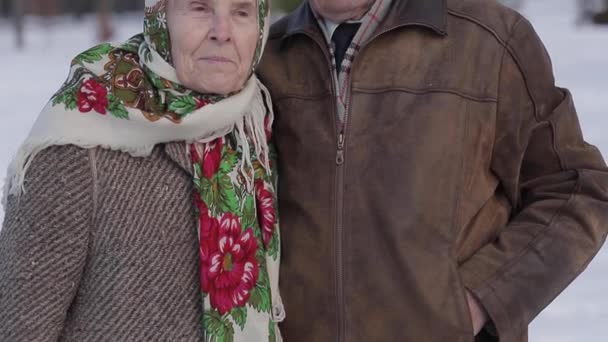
580	56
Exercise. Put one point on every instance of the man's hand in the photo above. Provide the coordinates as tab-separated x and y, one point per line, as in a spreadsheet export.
479	315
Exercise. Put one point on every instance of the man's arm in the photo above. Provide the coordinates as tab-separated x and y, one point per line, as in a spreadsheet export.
557	183
43	245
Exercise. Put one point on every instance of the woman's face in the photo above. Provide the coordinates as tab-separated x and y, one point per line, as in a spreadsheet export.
213	43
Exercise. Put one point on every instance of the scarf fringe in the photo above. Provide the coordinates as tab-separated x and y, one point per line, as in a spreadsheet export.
253	128
252	125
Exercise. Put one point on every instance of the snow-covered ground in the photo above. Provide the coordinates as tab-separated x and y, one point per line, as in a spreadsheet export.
580	56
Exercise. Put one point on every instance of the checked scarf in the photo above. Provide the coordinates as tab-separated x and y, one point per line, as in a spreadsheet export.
341	74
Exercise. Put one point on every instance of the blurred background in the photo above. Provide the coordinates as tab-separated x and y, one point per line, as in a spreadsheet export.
39	38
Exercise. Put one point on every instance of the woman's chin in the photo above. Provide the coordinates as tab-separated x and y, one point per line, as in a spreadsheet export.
218	89
220	84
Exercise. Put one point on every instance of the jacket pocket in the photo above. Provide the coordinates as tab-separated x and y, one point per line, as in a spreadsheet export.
464	306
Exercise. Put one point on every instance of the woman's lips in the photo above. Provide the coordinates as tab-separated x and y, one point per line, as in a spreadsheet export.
216	59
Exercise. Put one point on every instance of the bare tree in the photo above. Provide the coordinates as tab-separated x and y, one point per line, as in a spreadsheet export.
602	16
18	13
595	11
104	10
47	8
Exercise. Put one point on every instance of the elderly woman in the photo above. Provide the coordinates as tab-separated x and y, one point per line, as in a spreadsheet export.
142	205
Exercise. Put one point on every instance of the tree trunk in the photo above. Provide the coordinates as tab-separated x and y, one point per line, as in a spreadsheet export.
18	13
602	16
104	9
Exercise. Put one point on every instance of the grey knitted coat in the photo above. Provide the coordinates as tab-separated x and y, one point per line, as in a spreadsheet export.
102	246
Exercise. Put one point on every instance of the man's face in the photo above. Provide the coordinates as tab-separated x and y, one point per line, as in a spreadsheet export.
341	10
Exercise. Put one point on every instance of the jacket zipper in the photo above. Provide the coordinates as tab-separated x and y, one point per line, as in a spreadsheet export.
340	158
341	130
339	193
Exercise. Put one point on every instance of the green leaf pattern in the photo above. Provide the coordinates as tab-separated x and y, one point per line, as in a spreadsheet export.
117	108
218	328
182	105
94	54
226	192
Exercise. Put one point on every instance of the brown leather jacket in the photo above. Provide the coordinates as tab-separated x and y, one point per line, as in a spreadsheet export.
463	166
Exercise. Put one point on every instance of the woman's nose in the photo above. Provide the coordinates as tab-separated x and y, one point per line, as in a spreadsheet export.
221	30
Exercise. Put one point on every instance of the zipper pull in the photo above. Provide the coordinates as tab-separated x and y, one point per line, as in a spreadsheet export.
340	153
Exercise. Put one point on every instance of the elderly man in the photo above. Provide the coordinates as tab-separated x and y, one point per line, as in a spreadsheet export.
435	182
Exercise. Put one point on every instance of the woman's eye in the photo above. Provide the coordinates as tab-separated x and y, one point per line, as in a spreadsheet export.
243	11
201	8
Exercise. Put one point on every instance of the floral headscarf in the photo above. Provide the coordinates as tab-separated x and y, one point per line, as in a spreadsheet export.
139	73
127	97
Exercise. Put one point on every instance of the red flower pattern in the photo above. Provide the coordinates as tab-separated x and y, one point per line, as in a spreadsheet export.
212	155
268	128
92	96
266	211
229	267
208	231
200	103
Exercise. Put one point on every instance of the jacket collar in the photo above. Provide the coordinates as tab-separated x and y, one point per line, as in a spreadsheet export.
429	14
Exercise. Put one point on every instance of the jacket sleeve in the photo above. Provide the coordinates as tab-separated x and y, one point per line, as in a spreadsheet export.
557	184
43	245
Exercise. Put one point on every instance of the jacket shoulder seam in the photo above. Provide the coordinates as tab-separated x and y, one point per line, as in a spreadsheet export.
512	52
483	25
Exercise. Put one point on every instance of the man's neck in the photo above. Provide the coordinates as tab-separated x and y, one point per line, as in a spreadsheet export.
354	14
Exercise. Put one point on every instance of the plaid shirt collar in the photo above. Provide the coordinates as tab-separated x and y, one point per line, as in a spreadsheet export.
369	23
329	27
426	14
